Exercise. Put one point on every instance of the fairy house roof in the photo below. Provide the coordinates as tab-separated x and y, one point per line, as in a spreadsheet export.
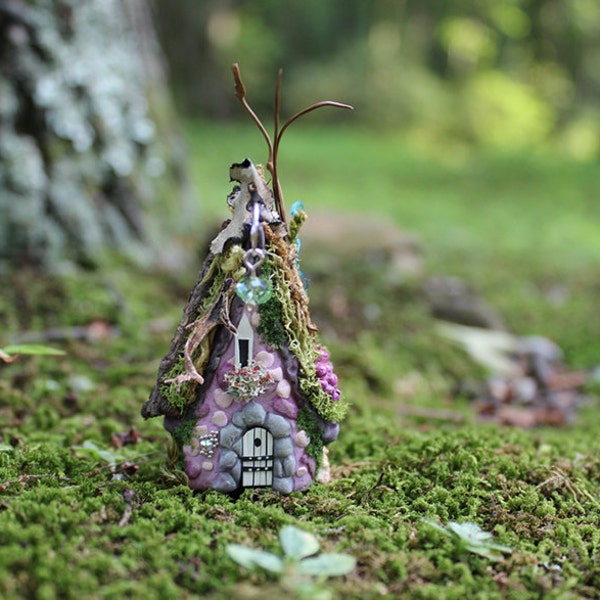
213	311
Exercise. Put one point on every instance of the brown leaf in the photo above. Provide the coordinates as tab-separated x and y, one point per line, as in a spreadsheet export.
7	358
132	436
240	89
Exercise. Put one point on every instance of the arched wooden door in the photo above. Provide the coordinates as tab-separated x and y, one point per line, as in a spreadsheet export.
257	458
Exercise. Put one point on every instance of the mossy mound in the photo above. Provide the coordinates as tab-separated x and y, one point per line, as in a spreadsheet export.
82	515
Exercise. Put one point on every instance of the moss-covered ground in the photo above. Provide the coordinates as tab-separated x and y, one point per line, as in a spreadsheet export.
83	515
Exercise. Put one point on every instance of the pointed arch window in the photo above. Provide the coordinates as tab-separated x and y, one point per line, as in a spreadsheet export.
244	342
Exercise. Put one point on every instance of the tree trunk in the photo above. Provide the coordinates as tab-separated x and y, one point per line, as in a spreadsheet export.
87	142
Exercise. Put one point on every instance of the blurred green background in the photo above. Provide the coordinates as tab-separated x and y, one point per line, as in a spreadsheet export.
500	73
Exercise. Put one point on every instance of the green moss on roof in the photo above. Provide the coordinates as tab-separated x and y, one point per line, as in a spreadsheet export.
307	420
271	327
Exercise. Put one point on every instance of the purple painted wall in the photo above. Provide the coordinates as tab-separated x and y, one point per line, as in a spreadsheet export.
207	457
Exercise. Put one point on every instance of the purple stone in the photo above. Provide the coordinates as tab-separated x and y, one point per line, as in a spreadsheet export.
202	411
328	388
192	469
323	369
331	432
285	407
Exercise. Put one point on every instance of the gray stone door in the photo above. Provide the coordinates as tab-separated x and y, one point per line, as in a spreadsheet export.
257	458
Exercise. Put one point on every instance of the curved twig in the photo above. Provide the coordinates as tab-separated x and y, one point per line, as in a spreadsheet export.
279	135
272	166
307	110
240	92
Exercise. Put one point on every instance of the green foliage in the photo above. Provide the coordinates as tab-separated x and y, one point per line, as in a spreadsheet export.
298	565
298	544
505	113
271	320
11	352
523	230
178	395
470	537
32	350
280	321
93	451
296	222
183	432
499	74
307	420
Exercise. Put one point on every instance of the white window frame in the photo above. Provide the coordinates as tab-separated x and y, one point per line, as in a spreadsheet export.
245	332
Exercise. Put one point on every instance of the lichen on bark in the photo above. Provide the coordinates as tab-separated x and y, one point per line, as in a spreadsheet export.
82	164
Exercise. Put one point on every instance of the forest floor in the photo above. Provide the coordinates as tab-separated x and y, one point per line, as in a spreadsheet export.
86	510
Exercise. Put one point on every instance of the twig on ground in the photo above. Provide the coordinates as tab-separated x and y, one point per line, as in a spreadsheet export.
129	496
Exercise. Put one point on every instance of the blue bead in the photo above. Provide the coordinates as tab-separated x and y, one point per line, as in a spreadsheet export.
296	208
305	281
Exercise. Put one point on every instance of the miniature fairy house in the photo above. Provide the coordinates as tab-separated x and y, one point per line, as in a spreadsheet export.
248	393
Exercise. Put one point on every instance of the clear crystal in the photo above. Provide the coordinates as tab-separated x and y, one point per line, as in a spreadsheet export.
254	290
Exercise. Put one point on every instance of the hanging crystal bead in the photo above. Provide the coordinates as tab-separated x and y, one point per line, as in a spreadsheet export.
254	290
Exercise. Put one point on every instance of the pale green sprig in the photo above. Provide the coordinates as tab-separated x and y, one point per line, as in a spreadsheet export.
12	352
299	566
470	537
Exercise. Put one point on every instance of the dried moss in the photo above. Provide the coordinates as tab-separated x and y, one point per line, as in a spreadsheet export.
290	321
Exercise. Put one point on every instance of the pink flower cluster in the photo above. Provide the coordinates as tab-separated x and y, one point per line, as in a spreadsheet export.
248	382
326	375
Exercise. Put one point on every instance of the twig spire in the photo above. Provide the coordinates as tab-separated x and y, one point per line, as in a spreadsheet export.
273	146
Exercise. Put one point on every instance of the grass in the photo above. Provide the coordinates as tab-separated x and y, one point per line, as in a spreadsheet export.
521	229
477	203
